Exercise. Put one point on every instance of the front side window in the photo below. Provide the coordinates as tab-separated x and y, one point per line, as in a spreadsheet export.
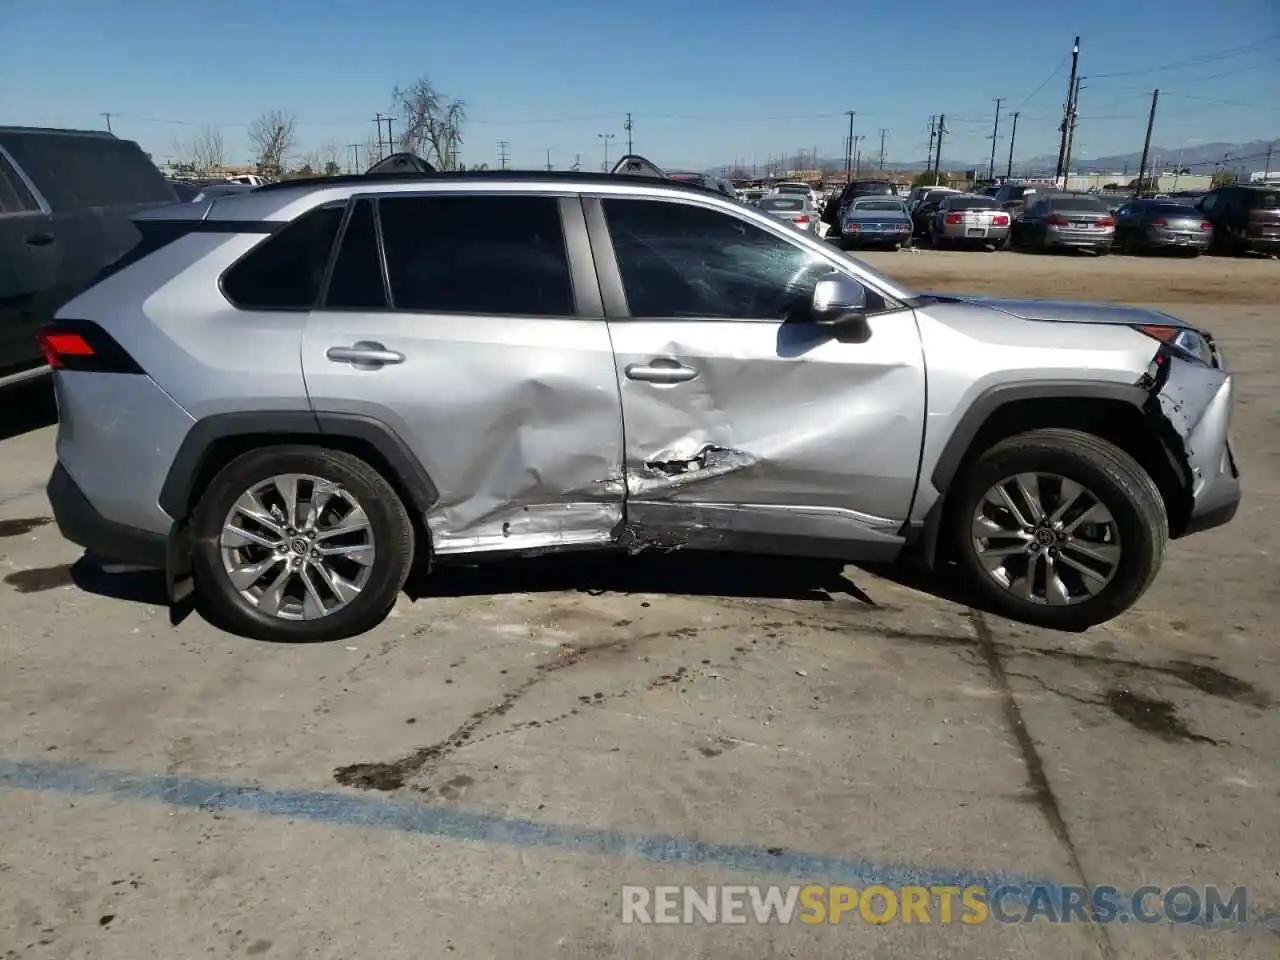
680	260
285	271
491	255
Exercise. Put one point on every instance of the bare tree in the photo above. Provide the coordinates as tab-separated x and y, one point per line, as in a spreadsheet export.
431	123
204	152
273	135
371	151
329	158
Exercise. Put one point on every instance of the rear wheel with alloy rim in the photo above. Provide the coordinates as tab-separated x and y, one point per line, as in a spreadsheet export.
1058	528
300	544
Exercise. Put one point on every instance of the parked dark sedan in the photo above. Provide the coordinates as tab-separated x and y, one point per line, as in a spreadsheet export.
1146	225
1055	221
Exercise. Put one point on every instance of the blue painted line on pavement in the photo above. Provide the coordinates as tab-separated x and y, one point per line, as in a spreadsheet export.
454	824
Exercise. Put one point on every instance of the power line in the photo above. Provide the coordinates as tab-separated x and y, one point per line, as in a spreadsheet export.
1193	62
1047	80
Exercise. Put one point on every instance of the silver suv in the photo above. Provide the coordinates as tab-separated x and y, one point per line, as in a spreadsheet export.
286	398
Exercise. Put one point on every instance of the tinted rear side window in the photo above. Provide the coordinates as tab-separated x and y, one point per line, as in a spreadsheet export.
492	255
285	271
75	172
357	273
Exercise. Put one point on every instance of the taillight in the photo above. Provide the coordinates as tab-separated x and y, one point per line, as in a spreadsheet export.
1107	222
1056	221
802	220
1206	225
1159	222
83	346
954	218
1000	221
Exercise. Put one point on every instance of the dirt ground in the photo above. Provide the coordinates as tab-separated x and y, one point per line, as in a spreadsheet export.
480	776
1081	276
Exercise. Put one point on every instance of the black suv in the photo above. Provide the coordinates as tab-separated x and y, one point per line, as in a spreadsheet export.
1244	218
66	197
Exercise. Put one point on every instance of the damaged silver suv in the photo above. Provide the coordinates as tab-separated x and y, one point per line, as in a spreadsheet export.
287	398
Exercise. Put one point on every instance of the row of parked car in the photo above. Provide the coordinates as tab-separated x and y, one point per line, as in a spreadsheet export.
1230	220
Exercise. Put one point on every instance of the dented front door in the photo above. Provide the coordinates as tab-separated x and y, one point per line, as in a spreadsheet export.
736	422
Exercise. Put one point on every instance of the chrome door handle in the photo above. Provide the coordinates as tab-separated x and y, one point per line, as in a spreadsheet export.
366	353
661	370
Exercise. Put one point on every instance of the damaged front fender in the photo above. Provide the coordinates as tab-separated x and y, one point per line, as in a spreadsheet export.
1190	407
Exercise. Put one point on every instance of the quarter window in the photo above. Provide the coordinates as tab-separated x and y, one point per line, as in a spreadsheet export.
489	255
679	260
285	271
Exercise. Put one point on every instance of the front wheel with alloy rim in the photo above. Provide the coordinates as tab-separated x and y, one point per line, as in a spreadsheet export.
297	543
1058	528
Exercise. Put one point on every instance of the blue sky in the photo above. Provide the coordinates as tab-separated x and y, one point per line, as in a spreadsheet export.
707	82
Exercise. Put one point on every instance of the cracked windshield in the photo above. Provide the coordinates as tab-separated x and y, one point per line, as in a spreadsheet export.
576	481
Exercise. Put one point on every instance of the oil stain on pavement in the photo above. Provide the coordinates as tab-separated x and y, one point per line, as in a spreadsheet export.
1158	717
40	579
21	525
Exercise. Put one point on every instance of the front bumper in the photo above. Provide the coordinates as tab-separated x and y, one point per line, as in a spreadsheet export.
81	523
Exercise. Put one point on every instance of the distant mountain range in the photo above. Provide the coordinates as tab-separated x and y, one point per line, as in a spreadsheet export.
1200	158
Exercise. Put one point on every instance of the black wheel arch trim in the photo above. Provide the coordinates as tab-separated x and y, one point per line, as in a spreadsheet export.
193	454
993	398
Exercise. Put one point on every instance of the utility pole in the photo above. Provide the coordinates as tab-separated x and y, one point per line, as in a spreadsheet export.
502	153
1071	130
995	133
857	154
391	146
1013	133
942	128
627	127
1146	144
604	140
848	153
928	157
883	133
1266	165
107	116
378	118
355	157
548	158
1071	89
577	162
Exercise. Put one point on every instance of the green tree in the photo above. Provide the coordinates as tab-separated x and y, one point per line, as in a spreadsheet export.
1223	178
929	178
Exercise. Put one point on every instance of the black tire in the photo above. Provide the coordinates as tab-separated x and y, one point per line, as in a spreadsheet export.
1123	487
392	532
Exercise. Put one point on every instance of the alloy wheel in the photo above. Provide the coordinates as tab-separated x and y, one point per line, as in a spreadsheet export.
297	546
1046	539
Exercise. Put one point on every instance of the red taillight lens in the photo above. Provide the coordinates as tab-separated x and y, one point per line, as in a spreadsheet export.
1206	225
1159	222
802	220
56	345
1107	222
954	218
1057	221
1001	221
82	345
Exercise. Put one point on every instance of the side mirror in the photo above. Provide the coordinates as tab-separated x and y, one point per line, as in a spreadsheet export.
839	304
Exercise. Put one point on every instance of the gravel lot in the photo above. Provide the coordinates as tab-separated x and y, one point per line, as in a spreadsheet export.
482	774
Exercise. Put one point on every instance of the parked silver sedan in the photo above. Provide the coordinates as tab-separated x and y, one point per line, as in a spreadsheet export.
966	218
793	208
1066	220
